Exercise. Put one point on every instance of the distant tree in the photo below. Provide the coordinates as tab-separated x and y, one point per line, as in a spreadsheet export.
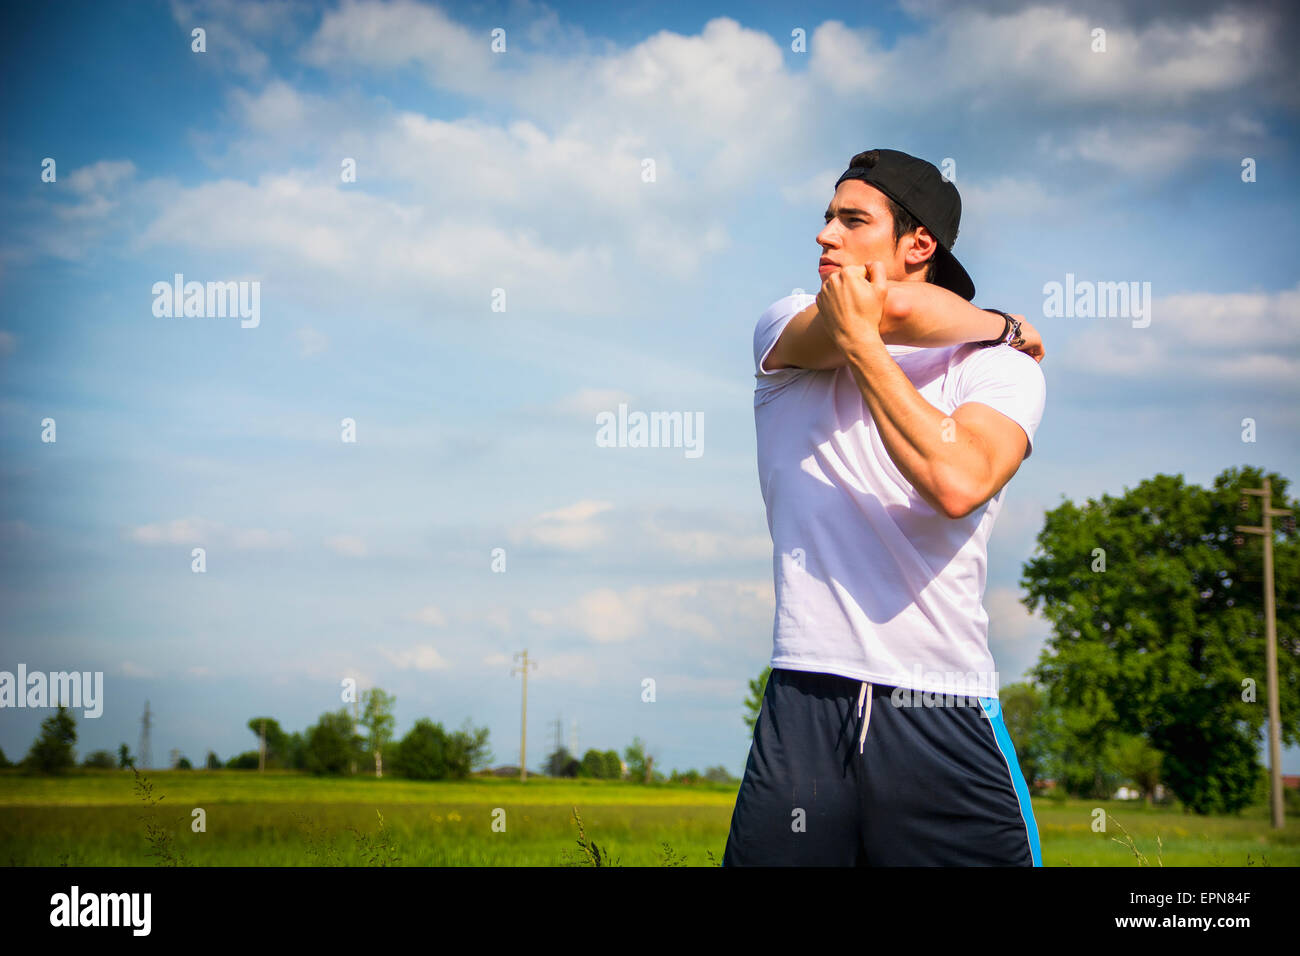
184	763
295	746
754	702
640	765
52	751
613	765
213	762
422	753
124	759
377	718
561	763
690	777
1138	761
277	741
4	761
467	750
245	761
593	765
718	774
332	744
100	760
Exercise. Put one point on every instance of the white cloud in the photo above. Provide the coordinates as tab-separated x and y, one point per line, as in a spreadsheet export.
420	657
1249	338
349	546
716	611
203	532
429	615
570	528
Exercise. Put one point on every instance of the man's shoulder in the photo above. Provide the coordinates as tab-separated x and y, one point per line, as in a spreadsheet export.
787	305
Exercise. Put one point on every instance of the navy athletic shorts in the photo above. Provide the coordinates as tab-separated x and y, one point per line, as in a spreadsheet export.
840	776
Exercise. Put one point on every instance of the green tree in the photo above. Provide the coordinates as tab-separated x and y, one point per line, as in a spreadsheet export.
1156	608
377	718
100	760
4	761
213	762
1136	760
592	765
52	751
754	702
561	763
467	750
124	759
422	753
276	741
640	765
183	763
332	745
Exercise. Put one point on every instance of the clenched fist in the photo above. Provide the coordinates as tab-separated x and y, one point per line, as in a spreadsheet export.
851	302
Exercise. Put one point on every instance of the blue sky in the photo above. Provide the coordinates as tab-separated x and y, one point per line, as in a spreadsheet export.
522	171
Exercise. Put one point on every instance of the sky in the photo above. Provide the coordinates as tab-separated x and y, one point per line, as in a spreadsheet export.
471	229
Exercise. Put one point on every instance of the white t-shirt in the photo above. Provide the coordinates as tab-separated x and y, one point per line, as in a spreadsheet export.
871	581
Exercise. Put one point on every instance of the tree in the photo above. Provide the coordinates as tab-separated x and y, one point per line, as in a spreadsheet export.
422	753
601	765
561	763
467	750
377	718
640	765
754	702
718	774
124	759
332	745
184	763
52	750
213	762
1156	610
4	761
277	750
100	760
1138	761
613	765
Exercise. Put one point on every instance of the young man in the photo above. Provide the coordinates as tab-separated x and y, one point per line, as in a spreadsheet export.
890	414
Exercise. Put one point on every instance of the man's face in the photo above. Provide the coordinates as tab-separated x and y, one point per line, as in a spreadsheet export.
860	230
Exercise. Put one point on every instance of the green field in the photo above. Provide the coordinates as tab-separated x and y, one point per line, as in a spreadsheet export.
98	818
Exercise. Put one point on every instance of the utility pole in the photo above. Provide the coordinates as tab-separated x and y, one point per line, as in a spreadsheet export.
356	718
523	720
1270	648
146	722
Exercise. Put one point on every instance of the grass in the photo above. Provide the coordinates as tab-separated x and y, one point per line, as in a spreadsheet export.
110	818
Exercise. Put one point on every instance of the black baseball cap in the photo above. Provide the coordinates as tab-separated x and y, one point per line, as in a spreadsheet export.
932	200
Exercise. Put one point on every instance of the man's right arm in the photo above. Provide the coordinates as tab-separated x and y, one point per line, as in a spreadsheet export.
916	313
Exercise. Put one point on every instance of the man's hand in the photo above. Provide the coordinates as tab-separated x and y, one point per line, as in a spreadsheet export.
1030	342
851	301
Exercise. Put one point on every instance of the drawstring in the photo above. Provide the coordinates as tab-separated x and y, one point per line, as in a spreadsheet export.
865	692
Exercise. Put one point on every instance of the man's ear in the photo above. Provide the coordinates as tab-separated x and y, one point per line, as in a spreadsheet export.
923	246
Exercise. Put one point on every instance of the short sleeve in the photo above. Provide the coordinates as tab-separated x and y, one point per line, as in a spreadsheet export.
1008	381
767	331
